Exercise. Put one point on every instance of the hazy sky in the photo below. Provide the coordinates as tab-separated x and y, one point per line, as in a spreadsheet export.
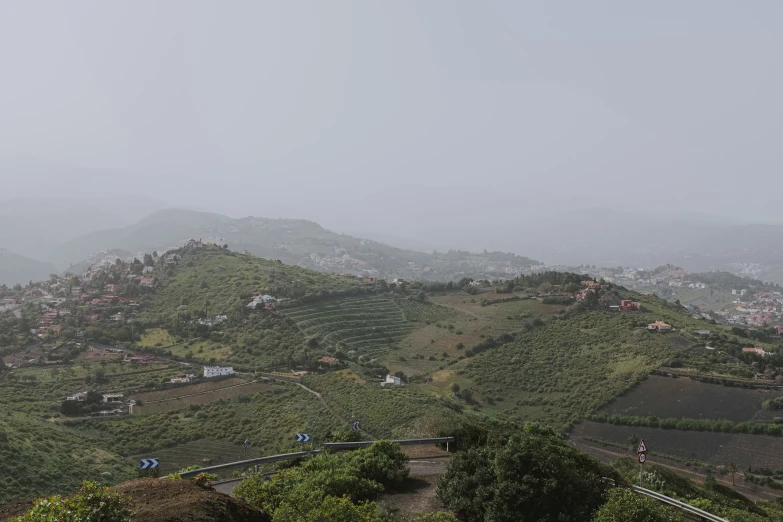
366	114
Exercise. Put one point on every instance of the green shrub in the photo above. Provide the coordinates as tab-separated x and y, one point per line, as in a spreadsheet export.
625	505
311	507
92	503
534	476
357	476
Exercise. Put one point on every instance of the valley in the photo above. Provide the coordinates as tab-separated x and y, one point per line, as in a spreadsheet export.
453	355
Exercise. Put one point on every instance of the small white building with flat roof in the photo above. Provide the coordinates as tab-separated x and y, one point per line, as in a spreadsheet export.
217	371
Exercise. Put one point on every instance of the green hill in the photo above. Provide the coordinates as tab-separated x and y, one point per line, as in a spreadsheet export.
16	269
496	357
293	241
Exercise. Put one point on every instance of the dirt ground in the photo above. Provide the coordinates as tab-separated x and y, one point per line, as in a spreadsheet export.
15	508
156	500
418	493
183	501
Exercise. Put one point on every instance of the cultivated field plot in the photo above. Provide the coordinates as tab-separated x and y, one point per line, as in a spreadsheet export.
190	389
204	452
198	396
426	349
666	397
712	448
499	317
368	325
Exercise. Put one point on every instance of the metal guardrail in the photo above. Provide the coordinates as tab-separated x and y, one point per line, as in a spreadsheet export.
249	462
327	445
679	505
403	442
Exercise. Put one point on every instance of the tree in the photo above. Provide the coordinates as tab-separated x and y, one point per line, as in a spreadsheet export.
625	505
148	261
732	468
545	288
534	476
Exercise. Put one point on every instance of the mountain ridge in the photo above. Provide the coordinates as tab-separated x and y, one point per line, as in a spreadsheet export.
18	269
295	241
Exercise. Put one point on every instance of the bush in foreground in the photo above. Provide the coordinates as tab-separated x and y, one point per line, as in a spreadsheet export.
625	505
344	483
533	476
92	503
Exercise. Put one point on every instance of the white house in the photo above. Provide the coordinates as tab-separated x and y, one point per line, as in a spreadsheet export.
261	300
217	371
80	397
112	397
391	379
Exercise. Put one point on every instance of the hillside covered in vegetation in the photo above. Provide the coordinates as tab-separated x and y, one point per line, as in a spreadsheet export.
293	241
462	354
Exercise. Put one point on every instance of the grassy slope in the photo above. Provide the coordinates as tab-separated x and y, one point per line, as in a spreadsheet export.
396	412
269	418
38	457
425	350
216	280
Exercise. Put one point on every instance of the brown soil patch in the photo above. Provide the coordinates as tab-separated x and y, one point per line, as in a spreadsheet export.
15	508
182	501
416	496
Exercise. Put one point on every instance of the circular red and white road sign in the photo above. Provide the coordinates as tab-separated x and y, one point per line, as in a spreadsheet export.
642	458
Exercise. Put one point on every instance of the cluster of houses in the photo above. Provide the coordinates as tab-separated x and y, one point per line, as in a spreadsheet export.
115	399
587	288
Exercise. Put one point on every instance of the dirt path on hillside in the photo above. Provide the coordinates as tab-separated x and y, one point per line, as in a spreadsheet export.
320	398
761	494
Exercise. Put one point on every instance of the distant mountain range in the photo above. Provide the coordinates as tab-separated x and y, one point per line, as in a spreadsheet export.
609	238
73	232
19	269
297	242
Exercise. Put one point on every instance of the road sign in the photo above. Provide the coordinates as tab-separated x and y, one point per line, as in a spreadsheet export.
302	437
642	458
149	463
355	426
642	447
246	443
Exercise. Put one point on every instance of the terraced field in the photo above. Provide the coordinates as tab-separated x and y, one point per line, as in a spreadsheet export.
366	325
204	452
204	393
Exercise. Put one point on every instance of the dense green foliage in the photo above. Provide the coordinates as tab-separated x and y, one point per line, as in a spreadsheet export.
725	426
92	503
339	482
625	505
34	453
533	476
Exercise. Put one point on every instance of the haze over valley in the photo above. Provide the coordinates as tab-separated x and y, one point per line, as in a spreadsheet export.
441	261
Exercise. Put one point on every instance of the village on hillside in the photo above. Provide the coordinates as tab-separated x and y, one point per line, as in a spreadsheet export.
721	297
